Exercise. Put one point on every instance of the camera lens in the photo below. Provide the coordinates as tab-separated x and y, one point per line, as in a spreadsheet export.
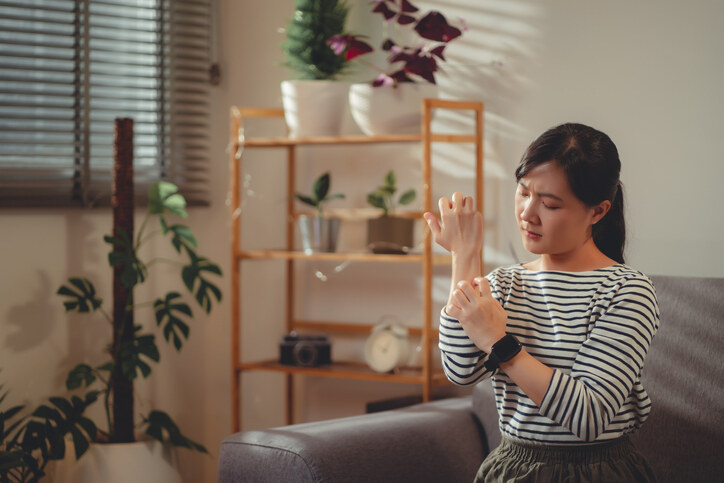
305	354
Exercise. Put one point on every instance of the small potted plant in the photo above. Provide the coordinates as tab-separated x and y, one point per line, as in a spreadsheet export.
319	233
389	233
410	73
314	100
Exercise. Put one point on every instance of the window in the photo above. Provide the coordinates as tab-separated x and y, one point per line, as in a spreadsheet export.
68	68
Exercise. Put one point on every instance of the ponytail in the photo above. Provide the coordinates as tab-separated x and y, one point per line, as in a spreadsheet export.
609	234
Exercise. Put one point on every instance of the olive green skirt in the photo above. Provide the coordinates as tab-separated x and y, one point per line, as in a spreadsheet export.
615	461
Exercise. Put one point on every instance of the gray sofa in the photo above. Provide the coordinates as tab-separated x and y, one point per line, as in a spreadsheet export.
446	440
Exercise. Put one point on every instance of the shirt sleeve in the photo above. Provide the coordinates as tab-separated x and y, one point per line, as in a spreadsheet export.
607	365
462	361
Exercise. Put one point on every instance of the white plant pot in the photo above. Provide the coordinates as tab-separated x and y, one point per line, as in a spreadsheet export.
314	107
139	462
387	109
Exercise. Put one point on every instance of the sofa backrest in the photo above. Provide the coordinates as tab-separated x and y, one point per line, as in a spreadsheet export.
683	438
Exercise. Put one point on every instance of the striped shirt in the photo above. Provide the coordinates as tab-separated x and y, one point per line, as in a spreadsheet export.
592	328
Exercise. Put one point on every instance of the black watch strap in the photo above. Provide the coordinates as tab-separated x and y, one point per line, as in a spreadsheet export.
503	350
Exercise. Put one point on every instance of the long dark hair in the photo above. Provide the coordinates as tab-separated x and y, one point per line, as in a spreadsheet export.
590	160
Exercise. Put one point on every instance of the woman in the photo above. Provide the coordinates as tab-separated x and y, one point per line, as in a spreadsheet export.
564	336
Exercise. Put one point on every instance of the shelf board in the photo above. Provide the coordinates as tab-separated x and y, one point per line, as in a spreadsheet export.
345	370
275	142
339	256
280	141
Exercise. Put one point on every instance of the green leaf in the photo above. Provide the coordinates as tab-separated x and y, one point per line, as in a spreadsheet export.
83	298
306	200
321	187
386	190
182	237
80	375
335	197
108	366
165	196
408	197
134	270
10	460
160	422
205	291
391	180
166	314
164	225
132	354
64	405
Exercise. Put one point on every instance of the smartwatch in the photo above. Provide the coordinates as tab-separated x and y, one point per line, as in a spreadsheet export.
503	350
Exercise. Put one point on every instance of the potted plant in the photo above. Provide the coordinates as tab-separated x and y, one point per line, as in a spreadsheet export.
28	442
409	64
314	101
133	347
389	233
319	233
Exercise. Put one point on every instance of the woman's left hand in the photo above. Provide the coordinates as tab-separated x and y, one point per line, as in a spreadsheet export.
480	315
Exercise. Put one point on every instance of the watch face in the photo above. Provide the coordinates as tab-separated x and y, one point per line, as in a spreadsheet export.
384	351
506	348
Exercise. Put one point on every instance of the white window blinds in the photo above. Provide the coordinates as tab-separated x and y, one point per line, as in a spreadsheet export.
68	68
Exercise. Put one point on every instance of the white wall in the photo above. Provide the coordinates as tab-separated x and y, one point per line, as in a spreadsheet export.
648	73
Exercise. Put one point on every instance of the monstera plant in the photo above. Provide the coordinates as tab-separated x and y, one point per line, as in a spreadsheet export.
28	442
133	347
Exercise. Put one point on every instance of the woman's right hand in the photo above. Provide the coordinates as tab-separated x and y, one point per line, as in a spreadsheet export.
460	228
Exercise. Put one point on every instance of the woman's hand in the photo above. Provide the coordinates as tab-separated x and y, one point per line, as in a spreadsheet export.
480	315
460	229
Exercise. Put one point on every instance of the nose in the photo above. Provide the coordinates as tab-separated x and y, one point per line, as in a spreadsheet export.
529	213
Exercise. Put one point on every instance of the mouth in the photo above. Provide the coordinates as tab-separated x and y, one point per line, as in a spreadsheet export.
531	234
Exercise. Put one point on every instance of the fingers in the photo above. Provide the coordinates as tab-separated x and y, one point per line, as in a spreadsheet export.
432	222
453	311
482	285
445	205
459	202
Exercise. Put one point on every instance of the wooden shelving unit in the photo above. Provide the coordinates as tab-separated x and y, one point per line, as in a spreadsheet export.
426	376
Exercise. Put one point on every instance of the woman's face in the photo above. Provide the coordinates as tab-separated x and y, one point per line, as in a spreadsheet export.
551	219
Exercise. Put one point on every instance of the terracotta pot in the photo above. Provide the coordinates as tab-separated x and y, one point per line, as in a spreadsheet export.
390	234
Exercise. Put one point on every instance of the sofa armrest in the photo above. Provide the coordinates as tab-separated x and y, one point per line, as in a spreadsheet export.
435	441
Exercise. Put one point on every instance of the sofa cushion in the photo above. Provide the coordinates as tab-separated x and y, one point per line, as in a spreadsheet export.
683	438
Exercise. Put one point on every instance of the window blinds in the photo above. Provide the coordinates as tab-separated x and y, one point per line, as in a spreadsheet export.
68	68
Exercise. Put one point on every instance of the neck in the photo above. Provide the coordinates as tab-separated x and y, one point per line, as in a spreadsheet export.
584	258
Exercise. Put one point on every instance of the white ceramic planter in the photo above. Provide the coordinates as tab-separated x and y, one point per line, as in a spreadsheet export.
314	107
389	110
142	461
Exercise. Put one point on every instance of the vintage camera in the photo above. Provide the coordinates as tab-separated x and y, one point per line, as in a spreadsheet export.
304	350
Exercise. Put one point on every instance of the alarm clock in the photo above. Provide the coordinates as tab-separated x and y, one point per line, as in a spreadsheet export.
387	347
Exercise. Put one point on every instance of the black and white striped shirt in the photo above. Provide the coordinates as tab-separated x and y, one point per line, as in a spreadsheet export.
592	328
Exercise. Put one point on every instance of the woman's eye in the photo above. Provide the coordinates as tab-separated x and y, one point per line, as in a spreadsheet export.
551	207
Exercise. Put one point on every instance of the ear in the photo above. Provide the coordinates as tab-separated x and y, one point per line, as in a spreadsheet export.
599	211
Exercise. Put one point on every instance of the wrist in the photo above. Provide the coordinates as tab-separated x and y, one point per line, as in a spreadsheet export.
502	351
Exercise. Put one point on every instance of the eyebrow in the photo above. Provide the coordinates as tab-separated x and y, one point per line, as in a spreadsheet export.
542	195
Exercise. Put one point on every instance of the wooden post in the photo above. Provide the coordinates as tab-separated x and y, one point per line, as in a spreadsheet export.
122	202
